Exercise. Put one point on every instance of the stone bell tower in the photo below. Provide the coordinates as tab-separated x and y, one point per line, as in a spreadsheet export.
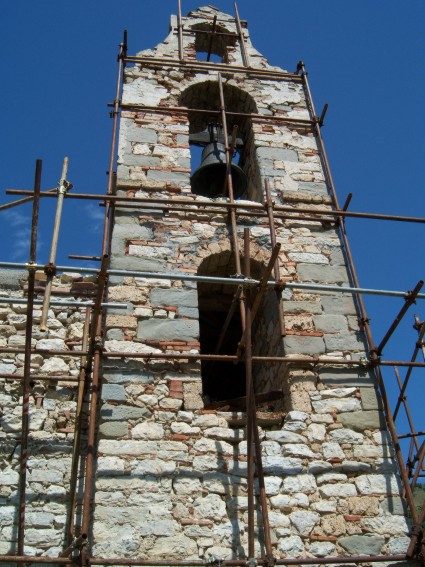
200	244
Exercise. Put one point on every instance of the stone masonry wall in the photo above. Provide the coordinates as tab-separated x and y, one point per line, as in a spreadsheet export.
170	473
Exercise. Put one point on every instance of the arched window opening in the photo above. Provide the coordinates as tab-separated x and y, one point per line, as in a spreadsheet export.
213	42
225	380
205	129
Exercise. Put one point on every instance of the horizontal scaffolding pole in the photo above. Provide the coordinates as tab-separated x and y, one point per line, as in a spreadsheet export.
246	282
213	66
185	110
194	563
63	303
222	204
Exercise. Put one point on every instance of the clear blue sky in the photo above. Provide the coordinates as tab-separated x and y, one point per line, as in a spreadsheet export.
366	59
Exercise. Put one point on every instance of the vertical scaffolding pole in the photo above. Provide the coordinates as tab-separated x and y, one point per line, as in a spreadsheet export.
180	29
82	386
361	305
244	51
269	208
231	194
27	361
249	399
96	346
115	113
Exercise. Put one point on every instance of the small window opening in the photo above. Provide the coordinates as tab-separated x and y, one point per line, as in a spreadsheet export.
213	43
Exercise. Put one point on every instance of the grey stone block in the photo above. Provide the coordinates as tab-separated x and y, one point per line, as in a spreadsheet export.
394	505
280	154
344	341
114	334
322	273
312	187
361	420
346	377
125	232
171	176
112	429
175	297
123	413
9	279
142	377
137	264
189	312
337	257
330	323
142	160
182	139
113	392
313	307
371	399
304	345
338	303
362	545
168	330
147	135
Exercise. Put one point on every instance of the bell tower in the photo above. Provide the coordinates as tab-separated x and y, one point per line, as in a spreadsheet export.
239	417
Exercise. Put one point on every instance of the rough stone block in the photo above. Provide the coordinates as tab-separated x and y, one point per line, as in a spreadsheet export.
361	420
313	187
9	279
344	341
304	345
175	297
330	323
346	376
113	429
362	544
322	273
168	330
371	399
394	505
113	392
135	263
123	413
276	154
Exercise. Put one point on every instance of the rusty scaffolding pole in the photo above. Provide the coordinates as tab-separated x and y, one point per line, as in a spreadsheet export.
92	350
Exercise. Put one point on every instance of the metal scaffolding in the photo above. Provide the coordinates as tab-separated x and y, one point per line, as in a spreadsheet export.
91	351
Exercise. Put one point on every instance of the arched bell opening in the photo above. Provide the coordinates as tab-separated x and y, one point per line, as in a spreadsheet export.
206	136
225	380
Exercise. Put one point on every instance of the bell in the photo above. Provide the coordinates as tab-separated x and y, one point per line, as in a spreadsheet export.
208	179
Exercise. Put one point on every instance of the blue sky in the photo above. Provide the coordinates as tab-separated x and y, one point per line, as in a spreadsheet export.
366	59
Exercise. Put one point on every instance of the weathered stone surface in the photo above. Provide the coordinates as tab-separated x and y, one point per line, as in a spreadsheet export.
113	429
362	544
345	436
156	467
177	297
394	505
168	330
178	546
362	420
370	399
113	392
281	465
109	447
148	430
304	521
369	484
289	501
338	490
291	546
322	548
117	413
346	376
387	525
303	483
337	404
304	345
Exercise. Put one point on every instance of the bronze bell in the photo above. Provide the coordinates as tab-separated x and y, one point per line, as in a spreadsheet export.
208	179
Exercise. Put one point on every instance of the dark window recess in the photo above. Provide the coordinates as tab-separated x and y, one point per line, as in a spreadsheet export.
225	380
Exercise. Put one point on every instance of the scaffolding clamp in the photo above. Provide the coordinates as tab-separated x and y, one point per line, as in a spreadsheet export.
251	562
280	285
50	269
